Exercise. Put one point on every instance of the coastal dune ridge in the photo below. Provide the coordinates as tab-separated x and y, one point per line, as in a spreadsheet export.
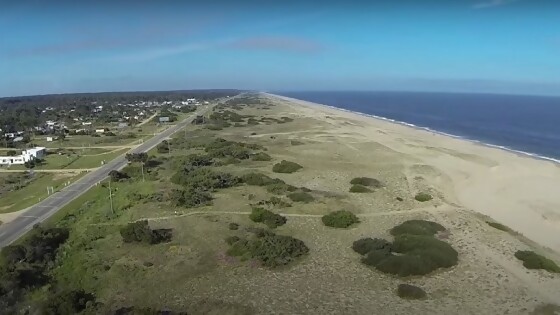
517	189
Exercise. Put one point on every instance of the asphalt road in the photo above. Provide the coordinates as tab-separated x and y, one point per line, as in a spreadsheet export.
11	231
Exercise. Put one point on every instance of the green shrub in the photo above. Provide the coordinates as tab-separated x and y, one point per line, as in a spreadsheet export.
532	260
271	250
279	187
340	219
423	197
204	178
140	231
230	160
498	226
417	227
301	196
230	240
190	197
417	255
359	189
68	302
214	127
261	156
295	142
117	176
366	181
256	179
411	292
271	219
366	245
221	148
276	202
286	167
233	226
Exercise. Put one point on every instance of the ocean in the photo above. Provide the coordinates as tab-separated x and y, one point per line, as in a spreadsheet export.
523	124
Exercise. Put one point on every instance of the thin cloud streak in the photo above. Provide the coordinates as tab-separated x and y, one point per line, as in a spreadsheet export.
282	44
492	4
274	44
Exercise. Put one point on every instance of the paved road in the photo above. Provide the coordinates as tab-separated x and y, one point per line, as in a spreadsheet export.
11	231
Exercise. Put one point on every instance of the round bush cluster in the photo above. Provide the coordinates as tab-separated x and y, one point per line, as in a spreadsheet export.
411	292
359	189
286	167
301	196
270	249
417	227
340	219
366	181
413	252
423	197
532	260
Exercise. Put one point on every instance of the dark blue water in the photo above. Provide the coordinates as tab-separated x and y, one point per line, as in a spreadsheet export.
524	123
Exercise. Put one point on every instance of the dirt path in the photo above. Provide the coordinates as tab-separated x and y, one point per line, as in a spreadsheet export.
147	120
98	154
292	215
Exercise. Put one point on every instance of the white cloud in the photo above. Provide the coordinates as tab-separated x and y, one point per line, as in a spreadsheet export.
156	53
492	3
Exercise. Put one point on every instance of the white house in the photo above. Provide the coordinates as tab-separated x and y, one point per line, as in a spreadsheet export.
25	156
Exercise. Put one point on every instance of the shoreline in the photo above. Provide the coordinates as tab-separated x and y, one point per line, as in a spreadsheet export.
513	189
519	153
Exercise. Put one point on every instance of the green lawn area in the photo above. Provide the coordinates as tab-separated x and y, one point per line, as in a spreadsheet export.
34	192
78	160
86	141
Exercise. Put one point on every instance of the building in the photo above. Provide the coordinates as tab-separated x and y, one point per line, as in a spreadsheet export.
25	156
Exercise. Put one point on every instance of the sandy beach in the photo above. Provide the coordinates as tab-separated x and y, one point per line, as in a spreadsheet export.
518	191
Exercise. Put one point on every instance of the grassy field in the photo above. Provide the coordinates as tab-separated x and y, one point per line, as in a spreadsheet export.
76	159
194	273
34	192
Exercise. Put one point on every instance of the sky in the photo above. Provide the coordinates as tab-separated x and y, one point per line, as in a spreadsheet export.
489	46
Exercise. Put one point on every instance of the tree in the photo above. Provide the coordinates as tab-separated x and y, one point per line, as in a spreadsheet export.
11	153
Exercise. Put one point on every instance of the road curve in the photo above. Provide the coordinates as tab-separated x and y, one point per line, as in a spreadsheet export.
11	231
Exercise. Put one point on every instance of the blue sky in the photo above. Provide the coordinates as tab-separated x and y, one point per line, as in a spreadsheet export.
502	46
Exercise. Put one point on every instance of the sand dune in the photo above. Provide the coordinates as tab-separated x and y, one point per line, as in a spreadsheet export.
518	191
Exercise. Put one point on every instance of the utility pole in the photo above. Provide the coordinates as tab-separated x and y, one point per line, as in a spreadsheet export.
111	197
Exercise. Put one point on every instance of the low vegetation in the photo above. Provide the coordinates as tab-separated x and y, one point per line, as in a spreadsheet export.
359	189
272	185
204	179
366	181
417	227
532	260
301	196
261	156
271	219
423	197
189	197
366	245
498	226
410	292
414	251
286	167
27	265
340	219
275	202
270	249
140	232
